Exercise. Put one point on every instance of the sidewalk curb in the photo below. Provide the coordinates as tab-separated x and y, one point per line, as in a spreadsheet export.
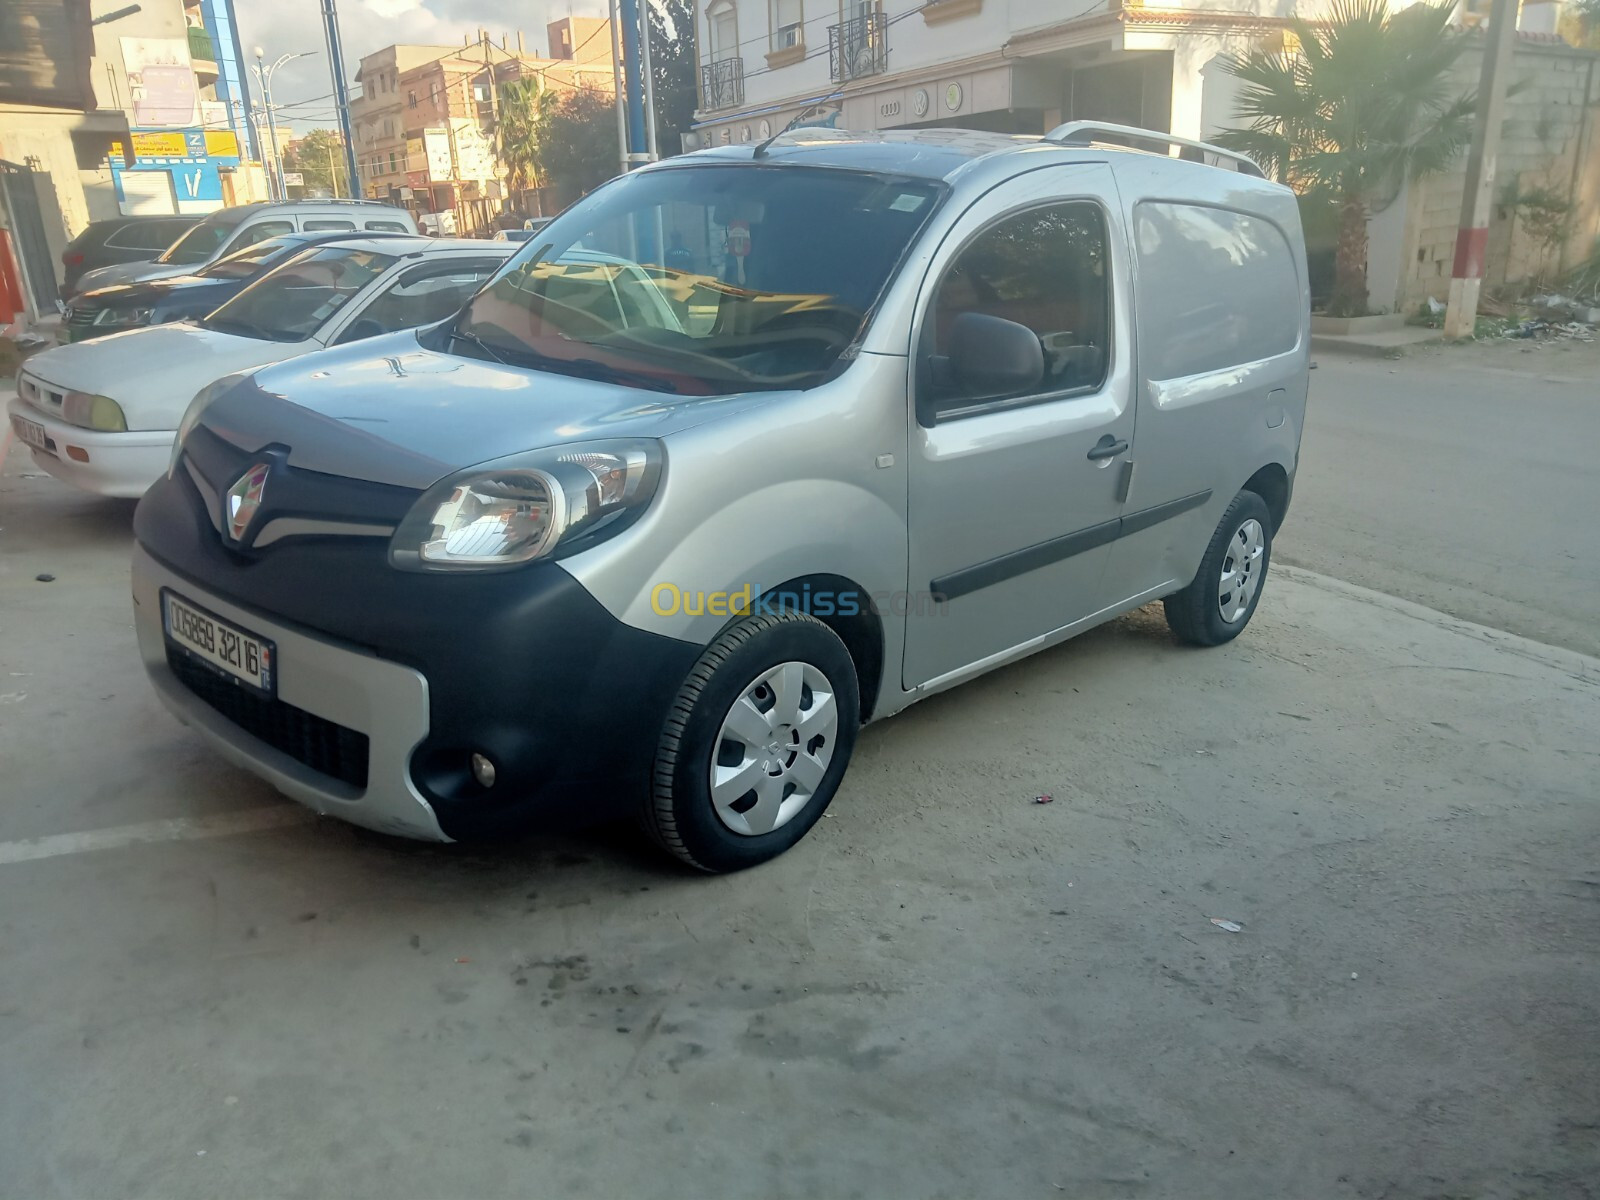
1582	667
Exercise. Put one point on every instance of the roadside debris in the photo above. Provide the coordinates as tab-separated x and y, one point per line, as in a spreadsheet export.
43	577
1046	799
1230	926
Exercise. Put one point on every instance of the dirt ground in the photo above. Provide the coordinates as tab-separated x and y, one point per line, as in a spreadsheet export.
948	990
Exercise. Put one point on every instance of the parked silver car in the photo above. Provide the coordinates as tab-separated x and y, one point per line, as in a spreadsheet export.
752	446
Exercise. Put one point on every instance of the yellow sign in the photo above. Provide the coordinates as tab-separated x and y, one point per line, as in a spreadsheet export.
222	144
158	145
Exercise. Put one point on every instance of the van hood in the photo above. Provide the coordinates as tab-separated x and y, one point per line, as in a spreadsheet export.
154	371
390	411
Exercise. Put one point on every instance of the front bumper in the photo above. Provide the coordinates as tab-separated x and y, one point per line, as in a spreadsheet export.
384	701
113	464
524	666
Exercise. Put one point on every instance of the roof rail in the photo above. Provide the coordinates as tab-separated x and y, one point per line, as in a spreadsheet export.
1083	133
336	200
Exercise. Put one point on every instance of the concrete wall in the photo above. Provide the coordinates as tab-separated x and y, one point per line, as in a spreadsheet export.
1551	138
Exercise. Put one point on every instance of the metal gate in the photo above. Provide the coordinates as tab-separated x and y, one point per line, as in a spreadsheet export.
19	191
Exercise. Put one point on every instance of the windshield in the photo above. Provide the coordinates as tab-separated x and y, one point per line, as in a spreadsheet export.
246	263
198	245
704	279
290	304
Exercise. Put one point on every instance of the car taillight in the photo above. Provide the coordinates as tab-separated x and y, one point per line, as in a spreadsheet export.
68	258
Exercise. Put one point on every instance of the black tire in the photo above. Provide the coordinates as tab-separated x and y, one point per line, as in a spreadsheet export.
1195	614
679	815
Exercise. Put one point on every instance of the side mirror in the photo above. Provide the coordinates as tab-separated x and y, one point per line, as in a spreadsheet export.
990	356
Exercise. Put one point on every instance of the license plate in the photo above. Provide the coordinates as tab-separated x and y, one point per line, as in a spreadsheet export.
221	646
31	432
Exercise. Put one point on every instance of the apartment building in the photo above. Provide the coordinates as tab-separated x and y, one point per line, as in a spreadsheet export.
377	117
425	119
1013	66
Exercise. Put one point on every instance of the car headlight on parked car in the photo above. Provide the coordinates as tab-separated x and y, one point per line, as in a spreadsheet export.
123	318
100	413
543	504
197	407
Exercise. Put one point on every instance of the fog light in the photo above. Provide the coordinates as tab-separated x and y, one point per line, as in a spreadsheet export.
77	454
482	771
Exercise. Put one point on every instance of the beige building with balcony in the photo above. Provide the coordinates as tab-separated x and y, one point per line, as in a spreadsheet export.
424	122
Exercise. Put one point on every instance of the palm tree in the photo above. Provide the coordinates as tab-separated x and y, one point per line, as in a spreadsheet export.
522	106
1365	104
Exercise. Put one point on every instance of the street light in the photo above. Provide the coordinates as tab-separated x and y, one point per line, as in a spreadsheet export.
264	81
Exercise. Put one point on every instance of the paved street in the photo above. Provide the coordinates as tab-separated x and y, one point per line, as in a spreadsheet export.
947	990
1467	480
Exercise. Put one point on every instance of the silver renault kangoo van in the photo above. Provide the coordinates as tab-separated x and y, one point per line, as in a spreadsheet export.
741	451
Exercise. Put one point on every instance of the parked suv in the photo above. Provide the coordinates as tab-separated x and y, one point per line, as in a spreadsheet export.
751	446
119	240
231	229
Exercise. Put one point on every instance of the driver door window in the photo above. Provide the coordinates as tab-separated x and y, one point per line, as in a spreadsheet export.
422	296
1045	269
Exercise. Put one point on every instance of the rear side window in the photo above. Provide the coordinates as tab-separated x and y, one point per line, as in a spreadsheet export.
1217	288
387	227
147	235
260	232
311	224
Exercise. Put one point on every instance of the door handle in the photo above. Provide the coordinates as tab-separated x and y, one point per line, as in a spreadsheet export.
1108	447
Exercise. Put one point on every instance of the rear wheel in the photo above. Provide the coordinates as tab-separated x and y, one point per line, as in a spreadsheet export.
756	743
1219	602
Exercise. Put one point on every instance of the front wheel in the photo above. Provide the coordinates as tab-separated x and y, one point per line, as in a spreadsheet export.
756	743
1218	603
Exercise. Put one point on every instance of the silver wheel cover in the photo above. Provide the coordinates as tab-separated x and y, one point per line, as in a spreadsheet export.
773	749
1241	571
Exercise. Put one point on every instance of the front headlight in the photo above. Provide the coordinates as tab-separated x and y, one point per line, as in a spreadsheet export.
123	318
191	415
100	413
542	504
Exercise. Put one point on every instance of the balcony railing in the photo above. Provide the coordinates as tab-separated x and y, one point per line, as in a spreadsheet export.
722	83
200	44
858	47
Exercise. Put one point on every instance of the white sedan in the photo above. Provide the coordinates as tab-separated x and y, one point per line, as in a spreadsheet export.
101	414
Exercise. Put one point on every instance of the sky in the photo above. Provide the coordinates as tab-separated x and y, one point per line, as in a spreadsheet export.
288	26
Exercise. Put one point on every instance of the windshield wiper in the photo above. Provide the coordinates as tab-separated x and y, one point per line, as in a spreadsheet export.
473	339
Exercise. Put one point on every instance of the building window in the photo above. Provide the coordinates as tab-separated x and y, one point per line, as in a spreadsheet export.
788	25
411	99
723	20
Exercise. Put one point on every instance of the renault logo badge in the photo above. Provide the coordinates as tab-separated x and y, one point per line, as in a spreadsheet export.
244	499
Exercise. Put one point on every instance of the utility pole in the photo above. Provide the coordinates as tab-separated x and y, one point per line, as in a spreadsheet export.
341	94
333	175
494	100
637	151
1477	201
263	75
616	76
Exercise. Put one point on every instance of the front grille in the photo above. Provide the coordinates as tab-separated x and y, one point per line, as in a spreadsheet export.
315	741
81	318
